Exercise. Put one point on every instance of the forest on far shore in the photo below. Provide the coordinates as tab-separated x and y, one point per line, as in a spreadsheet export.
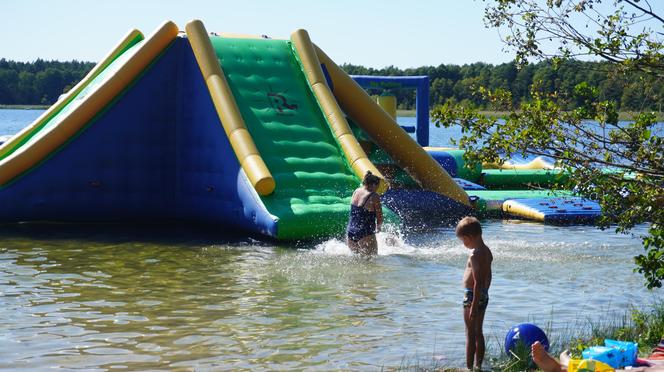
41	82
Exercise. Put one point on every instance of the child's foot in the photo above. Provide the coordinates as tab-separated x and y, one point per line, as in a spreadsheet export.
543	360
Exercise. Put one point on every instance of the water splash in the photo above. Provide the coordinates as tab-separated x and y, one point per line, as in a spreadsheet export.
389	244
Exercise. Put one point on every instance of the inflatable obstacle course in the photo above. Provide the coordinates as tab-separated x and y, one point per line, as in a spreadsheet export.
242	132
467	185
265	135
518	190
65	103
553	210
522	178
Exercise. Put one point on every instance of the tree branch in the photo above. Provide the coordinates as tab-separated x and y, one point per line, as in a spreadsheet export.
646	11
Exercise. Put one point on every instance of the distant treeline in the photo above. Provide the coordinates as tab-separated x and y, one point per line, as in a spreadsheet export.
459	83
42	82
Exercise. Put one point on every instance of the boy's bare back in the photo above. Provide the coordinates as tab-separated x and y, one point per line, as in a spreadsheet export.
478	268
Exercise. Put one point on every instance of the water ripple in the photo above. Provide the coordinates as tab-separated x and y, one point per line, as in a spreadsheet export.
92	300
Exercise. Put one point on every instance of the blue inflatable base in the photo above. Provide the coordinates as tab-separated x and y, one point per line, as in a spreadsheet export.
445	160
157	153
559	211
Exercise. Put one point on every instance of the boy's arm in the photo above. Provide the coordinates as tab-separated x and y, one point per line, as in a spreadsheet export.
479	275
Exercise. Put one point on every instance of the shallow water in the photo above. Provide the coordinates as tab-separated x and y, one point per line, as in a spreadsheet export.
12	121
165	298
178	297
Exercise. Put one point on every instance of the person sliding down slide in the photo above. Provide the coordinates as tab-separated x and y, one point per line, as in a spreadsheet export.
366	217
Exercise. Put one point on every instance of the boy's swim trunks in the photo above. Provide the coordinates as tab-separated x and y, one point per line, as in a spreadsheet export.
468	296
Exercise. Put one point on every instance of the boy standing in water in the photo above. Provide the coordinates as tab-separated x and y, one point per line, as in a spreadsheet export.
476	283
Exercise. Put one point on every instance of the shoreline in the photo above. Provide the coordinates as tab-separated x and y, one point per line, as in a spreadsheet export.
622	115
640	324
24	107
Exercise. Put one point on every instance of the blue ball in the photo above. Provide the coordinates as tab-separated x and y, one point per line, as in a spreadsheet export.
527	333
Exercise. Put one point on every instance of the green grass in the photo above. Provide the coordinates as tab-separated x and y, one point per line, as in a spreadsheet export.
642	325
417	365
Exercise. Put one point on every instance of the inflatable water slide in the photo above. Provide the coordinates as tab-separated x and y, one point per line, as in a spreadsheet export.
264	135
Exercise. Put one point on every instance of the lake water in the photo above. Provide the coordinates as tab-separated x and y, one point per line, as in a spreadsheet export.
177	297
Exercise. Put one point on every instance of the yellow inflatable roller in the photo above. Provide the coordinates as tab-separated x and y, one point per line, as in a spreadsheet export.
354	153
537	163
30	155
388	134
132	37
241	141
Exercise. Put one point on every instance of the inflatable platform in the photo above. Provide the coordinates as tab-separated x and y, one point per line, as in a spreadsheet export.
265	135
524	191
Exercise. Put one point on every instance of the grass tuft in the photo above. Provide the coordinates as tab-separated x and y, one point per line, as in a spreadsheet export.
642	325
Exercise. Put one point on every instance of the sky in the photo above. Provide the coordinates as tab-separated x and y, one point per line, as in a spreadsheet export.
373	33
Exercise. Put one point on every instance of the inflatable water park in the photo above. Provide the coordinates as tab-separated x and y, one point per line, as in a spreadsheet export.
252	133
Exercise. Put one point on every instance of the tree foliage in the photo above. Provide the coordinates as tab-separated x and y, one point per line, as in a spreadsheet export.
620	164
39	82
458	84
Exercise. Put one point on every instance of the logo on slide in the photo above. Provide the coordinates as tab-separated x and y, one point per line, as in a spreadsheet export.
280	103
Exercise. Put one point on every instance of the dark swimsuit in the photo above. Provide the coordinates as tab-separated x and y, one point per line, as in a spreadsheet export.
362	222
468	296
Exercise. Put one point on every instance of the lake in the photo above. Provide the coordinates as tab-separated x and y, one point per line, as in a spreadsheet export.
181	297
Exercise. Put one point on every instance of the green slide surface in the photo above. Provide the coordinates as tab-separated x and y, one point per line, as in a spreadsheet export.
314	181
57	116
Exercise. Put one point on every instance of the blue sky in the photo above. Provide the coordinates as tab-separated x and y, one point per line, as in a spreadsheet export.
374	33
